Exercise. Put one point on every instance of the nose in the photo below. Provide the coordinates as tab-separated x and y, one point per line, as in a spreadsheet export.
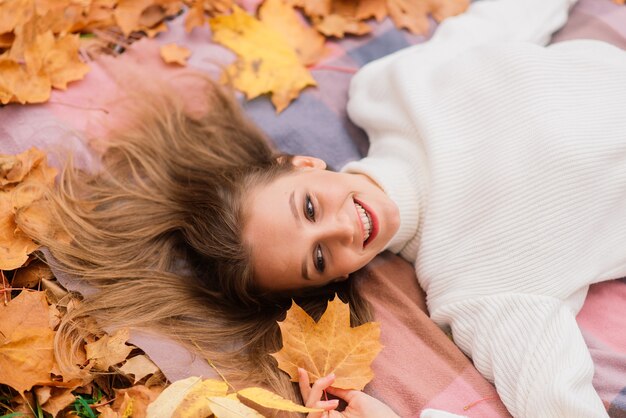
338	229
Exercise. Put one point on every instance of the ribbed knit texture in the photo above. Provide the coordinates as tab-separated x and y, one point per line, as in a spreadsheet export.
507	160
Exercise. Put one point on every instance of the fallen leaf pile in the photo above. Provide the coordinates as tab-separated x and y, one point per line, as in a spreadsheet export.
329	346
45	44
32	304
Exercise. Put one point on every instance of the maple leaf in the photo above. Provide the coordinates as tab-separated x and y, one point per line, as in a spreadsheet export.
195	16
16	85
328	346
15	13
14	245
266	62
139	366
26	341
134	401
306	41
172	53
13	168
109	350
128	13
30	276
338	25
53	400
23	178
413	15
59	60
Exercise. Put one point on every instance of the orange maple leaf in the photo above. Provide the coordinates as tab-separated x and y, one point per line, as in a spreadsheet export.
175	54
23	179
328	346
26	341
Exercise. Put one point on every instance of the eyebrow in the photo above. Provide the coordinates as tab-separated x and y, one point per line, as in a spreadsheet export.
296	215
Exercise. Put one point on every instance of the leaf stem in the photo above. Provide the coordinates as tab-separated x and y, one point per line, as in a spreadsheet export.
215	368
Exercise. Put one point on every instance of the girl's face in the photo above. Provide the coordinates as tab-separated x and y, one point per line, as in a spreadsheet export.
313	226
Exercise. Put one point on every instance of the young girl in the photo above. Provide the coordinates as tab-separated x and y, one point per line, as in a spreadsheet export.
499	169
496	166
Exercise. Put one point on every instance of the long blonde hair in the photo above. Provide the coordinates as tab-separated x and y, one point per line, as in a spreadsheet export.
157	231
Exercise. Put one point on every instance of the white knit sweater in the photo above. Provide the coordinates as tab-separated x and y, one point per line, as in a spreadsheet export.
507	160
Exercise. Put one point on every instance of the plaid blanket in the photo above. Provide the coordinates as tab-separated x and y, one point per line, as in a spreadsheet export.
419	366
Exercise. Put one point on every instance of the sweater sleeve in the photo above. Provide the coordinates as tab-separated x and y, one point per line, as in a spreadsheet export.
377	100
532	349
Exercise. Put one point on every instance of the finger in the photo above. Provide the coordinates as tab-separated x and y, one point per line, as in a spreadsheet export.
326	406
318	388
303	382
345	394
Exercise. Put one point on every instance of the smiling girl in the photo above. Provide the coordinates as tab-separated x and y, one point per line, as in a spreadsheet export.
496	166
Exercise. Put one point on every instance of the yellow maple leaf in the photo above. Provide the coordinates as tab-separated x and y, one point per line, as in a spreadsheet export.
328	346
266	62
306	41
172	53
26	341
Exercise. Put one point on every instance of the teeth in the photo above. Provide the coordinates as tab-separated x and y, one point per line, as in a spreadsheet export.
367	222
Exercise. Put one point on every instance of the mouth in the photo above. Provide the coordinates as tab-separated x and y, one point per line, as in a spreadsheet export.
368	220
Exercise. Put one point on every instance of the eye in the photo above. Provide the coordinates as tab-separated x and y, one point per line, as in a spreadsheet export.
318	259
309	209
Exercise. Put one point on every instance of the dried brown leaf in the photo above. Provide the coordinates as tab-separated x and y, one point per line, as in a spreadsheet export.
109	350
26	341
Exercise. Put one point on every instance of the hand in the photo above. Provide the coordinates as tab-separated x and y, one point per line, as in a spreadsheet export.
360	405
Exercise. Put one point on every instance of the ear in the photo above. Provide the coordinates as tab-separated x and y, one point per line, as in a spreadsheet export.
303	161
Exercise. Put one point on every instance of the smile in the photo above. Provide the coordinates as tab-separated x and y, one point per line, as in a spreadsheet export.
369	224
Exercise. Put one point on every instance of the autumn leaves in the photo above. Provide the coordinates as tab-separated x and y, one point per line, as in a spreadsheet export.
44	43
